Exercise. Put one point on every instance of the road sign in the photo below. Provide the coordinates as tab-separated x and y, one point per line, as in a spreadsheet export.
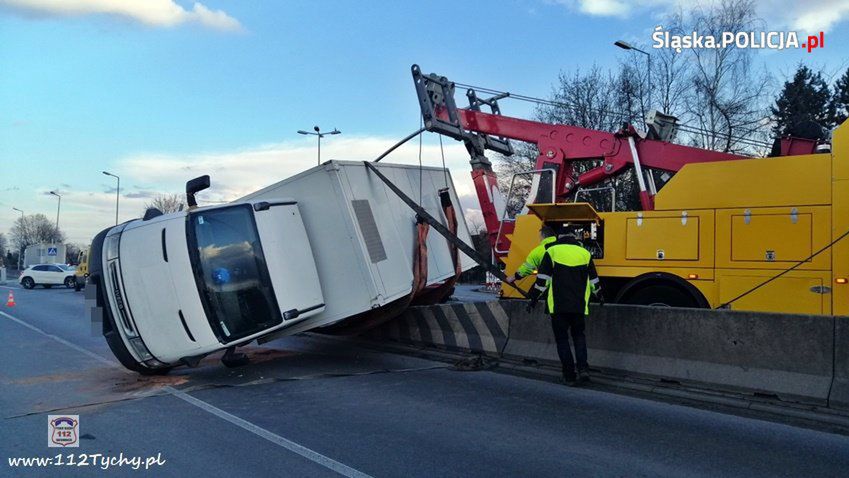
51	251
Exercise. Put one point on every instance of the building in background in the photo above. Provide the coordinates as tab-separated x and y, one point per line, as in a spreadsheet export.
44	253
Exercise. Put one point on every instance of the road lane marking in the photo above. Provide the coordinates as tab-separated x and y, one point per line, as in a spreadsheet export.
305	452
257	430
62	341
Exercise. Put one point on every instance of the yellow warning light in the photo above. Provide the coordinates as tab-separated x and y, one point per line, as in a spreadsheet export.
841	280
692	276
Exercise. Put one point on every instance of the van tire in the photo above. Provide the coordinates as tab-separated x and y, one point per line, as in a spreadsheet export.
27	283
70	282
153	371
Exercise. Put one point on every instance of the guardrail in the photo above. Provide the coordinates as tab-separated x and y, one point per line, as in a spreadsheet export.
798	358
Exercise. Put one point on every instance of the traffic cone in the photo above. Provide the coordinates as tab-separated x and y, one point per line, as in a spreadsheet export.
11	301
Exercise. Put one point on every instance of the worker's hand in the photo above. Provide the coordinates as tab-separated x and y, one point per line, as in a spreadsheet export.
530	307
510	279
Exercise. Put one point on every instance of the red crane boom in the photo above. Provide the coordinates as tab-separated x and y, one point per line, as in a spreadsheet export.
559	147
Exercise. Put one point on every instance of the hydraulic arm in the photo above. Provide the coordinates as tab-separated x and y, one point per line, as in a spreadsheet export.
559	146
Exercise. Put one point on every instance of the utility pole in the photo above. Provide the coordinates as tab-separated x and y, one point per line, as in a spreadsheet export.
318	134
58	208
117	194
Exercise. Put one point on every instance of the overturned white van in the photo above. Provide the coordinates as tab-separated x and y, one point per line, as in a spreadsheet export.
328	245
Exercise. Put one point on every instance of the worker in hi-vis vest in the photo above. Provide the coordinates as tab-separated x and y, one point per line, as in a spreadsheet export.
568	274
531	264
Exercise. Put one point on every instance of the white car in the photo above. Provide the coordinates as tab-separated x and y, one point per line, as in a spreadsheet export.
47	275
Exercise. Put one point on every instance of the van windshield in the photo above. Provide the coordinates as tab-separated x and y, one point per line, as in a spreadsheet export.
231	273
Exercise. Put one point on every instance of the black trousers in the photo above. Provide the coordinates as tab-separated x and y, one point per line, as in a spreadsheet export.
574	325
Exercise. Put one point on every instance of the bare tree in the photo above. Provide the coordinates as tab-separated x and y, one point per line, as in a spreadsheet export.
727	101
34	229
166	203
72	253
4	245
475	224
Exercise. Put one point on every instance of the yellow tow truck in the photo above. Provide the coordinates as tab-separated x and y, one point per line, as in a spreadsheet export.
81	274
759	234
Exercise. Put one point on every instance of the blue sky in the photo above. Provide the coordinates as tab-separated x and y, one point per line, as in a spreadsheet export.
160	96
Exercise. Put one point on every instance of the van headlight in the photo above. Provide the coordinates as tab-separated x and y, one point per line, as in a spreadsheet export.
111	246
140	349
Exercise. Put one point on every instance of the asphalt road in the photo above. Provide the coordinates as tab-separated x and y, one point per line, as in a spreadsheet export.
314	407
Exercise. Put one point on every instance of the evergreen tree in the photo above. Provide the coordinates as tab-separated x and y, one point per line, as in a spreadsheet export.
840	101
803	99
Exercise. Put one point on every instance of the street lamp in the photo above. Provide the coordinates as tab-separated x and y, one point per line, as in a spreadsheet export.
318	134
117	193
626	46
58	207
21	252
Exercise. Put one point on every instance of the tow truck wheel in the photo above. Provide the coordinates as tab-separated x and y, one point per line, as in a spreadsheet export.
660	295
70	282
28	283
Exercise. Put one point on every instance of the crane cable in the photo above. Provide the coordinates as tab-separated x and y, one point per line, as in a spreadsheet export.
421	170
444	169
807	259
618	114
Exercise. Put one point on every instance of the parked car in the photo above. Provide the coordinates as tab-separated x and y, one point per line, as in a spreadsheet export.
47	275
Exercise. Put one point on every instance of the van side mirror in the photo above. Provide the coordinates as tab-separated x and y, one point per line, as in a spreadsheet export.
194	186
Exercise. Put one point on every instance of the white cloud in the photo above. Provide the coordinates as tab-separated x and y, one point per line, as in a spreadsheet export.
236	173
156	13
808	16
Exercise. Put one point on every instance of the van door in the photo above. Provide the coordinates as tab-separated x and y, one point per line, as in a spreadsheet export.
289	256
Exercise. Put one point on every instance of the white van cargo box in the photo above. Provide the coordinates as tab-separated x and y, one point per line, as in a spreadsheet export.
363	235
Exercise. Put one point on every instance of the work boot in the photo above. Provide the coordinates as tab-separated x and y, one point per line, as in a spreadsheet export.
569	378
584	377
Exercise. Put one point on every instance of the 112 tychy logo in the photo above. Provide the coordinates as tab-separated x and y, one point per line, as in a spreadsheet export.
63	431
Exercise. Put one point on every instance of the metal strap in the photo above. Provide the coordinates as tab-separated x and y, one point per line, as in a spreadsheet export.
442	230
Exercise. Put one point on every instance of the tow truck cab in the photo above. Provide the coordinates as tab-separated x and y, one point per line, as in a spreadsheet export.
173	288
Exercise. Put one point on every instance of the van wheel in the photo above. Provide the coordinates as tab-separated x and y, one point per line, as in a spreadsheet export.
660	295
153	371
233	359
70	282
28	283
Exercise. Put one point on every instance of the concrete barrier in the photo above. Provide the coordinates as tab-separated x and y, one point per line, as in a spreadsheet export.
790	356
839	396
479	327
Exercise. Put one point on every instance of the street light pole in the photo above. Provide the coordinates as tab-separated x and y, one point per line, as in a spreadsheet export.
318	134
626	46
117	194
58	208
21	252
